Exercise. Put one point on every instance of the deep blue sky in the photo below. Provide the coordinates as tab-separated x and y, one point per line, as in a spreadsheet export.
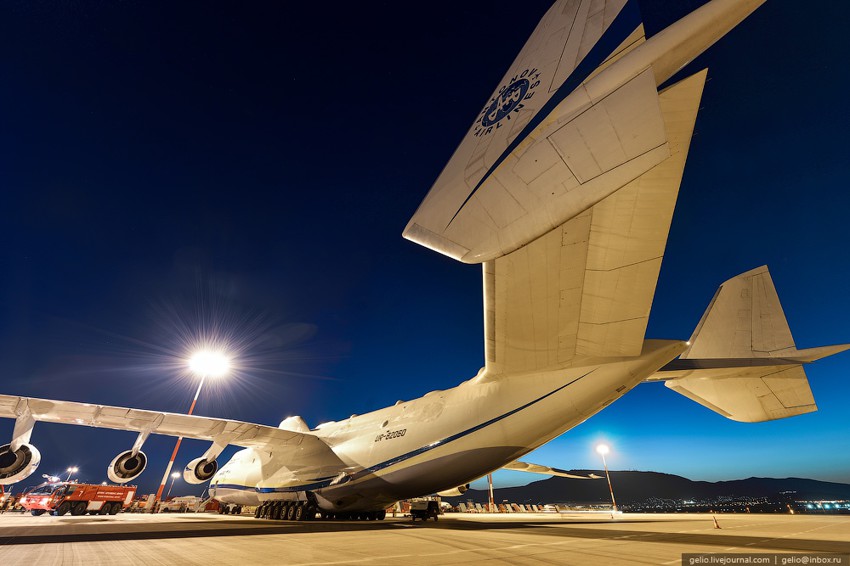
171	166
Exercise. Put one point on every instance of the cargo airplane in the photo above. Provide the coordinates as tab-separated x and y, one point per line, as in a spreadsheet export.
563	189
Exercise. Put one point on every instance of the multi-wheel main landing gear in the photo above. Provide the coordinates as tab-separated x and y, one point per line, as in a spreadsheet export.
287	510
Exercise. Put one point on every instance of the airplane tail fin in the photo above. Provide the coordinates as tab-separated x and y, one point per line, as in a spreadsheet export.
743	320
742	361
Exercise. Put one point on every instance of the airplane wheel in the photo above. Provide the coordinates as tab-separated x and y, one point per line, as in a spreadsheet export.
238	510
290	512
299	513
256	512
382	515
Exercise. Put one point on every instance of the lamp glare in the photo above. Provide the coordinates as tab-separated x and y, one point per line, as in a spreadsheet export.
209	364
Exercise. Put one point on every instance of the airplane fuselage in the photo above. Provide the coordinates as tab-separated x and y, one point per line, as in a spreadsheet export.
441	440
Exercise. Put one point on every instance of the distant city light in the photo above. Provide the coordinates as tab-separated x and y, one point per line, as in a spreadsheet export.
207	363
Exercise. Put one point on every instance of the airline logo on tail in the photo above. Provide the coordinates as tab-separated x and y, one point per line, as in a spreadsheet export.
508	100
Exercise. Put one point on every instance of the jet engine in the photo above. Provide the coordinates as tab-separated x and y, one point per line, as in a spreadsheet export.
459	490
127	466
18	464
199	470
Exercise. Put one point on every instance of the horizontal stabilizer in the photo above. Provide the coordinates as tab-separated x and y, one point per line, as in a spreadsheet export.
518	466
751	394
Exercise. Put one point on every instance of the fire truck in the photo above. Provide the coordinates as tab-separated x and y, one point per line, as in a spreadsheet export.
77	498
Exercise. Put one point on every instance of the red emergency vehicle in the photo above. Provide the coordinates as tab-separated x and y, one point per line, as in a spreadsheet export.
77	498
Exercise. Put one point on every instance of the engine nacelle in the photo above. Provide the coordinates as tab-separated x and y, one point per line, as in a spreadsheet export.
18	465
199	470
126	466
459	490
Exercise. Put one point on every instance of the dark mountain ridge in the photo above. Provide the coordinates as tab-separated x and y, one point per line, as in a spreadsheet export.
631	487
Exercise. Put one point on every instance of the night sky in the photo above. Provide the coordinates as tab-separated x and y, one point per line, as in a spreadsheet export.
171	170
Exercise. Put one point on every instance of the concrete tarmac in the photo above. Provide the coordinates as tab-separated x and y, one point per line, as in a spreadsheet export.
547	538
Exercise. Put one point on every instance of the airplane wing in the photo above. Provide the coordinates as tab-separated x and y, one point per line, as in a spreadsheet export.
238	433
519	466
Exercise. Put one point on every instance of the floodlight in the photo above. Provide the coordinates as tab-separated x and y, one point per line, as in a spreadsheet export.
207	363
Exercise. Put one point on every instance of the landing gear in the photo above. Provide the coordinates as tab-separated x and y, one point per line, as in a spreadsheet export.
288	511
231	509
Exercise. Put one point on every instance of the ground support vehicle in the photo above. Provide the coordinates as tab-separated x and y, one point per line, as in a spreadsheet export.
77	498
424	509
182	504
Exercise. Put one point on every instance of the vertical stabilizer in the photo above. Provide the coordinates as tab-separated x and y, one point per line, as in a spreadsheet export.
743	320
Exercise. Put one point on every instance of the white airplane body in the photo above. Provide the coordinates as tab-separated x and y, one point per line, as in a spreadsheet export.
564	189
440	441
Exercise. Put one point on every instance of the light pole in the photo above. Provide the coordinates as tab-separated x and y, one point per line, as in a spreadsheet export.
603	449
492	506
72	470
205	363
174	476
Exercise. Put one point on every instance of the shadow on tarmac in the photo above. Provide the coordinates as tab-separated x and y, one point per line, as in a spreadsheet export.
193	528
